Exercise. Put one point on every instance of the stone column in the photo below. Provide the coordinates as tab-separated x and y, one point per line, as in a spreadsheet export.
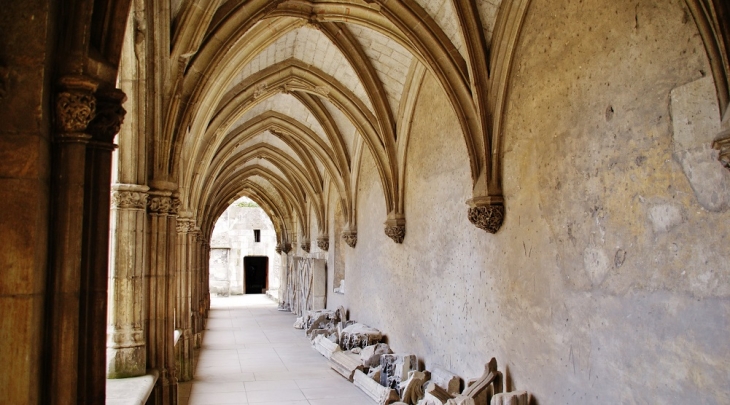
161	292
95	253
196	291
183	314
126	352
75	108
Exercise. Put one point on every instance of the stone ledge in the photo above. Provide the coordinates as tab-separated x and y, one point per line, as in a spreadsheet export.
130	391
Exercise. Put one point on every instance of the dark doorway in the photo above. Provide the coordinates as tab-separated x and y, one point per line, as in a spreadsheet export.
256	274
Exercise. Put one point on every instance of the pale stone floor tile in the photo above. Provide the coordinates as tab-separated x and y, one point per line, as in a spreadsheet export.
251	354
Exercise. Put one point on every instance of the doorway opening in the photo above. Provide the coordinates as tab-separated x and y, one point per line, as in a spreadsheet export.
256	274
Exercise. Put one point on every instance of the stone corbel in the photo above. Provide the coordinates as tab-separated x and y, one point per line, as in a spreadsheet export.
286	247
487	213
722	144
109	116
395	227
350	238
305	245
323	243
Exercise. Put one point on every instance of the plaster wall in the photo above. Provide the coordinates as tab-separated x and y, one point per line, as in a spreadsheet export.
608	282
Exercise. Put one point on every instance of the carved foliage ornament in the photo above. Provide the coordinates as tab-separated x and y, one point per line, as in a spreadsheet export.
164	205
129	199
74	110
185	226
487	217
350	238
323	243
396	232
305	246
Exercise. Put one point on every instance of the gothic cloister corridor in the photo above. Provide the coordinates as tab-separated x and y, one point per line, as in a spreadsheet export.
545	183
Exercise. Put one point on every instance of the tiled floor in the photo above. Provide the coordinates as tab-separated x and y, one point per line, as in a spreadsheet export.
251	354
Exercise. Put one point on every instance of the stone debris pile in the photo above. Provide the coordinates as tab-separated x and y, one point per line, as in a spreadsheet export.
358	353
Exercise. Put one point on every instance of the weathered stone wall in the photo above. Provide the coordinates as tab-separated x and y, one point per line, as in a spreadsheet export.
233	240
608	282
25	55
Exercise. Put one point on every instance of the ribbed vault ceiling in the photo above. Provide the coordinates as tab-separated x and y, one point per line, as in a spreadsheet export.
277	100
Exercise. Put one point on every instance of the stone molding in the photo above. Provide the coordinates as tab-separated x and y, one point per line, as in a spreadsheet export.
350	238
306	246
722	144
487	217
323	243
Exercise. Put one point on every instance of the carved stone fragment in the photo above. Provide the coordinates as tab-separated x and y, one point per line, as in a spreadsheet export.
396	368
478	387
325	346
350	238
323	243
434	394
345	363
488	218
448	381
412	389
370	355
511	398
381	395
359	335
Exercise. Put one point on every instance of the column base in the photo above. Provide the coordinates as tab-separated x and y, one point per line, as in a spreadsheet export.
125	362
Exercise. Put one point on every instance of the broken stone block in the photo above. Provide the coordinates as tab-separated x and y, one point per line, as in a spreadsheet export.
435	395
478	388
461	400
412	389
511	398
325	346
345	363
359	335
381	395
447	380
370	355
396	368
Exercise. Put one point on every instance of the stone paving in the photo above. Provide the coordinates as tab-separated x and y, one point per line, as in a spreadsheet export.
251	354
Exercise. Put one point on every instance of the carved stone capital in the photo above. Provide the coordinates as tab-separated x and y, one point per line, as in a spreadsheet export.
350	238
395	227
126	199
487	213
279	248
722	144
109	115
74	110
164	205
185	226
323	243
286	248
305	246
